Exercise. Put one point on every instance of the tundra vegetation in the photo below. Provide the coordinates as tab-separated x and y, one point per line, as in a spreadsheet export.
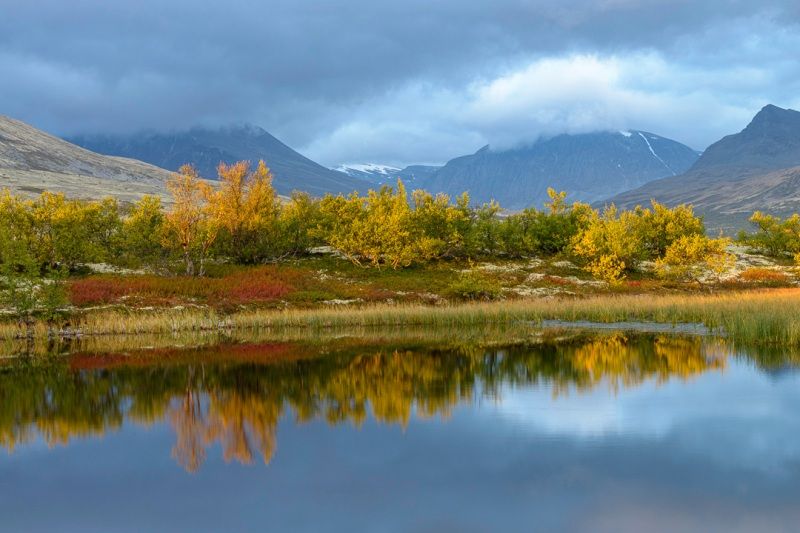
238	244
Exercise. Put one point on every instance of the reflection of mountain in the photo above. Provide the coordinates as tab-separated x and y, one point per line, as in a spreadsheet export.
236	402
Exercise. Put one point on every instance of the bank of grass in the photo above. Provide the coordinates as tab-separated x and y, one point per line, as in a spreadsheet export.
765	317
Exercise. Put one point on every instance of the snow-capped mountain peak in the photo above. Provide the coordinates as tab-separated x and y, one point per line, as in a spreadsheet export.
372	172
371	168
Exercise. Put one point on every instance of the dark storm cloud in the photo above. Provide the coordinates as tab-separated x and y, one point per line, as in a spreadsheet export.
396	81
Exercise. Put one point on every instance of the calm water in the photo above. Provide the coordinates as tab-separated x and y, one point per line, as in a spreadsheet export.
605	433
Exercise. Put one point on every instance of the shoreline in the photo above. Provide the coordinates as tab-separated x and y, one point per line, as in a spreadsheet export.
764	316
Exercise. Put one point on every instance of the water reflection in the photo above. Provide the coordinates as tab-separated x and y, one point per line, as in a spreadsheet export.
234	396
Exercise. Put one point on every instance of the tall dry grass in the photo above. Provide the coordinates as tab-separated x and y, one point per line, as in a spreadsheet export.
756	317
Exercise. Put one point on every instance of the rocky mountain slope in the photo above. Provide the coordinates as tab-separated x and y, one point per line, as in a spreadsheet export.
588	166
32	161
206	148
755	169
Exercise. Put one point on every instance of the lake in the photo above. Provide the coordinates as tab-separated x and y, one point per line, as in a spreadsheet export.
370	432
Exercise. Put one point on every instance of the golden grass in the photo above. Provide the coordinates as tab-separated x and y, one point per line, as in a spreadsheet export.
760	317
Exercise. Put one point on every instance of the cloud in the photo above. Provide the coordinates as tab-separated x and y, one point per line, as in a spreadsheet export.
398	82
570	94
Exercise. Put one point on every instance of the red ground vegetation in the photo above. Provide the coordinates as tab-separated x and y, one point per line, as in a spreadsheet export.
255	285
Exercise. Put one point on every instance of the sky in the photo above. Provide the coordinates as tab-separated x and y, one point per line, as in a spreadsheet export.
415	81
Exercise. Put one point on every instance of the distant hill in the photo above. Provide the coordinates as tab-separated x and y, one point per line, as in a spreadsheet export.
755	169
588	166
32	161
414	176
419	175
206	148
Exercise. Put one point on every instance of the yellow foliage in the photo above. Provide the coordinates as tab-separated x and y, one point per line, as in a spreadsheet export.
660	226
610	243
190	225
378	229
616	241
608	268
245	206
691	257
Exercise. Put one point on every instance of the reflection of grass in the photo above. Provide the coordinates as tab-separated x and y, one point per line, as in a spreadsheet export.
407	336
760	317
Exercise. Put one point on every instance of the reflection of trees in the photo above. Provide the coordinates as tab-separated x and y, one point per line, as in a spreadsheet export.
242	425
188	420
238	404
625	363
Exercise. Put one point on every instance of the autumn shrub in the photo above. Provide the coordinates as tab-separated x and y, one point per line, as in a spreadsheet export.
763	275
693	257
245	208
611	244
376	230
659	226
614	242
773	236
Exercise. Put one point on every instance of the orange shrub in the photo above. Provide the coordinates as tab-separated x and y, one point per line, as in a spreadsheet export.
763	275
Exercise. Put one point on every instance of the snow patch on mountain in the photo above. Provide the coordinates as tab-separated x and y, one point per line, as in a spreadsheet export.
370	168
655	154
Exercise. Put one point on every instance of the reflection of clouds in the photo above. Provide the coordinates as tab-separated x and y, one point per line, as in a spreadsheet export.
739	416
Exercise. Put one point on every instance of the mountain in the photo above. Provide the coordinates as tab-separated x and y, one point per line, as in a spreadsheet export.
206	148
32	161
414	176
755	169
418	174
771	141
588	166
371	172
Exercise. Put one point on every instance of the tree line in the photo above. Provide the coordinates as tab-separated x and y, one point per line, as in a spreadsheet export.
242	220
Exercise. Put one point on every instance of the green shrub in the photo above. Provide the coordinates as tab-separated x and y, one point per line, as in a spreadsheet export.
774	236
473	285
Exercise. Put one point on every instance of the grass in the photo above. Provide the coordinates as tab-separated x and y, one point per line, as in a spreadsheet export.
321	338
766	317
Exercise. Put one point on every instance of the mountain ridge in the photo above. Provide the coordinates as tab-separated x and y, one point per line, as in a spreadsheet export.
32	161
754	169
586	165
207	147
